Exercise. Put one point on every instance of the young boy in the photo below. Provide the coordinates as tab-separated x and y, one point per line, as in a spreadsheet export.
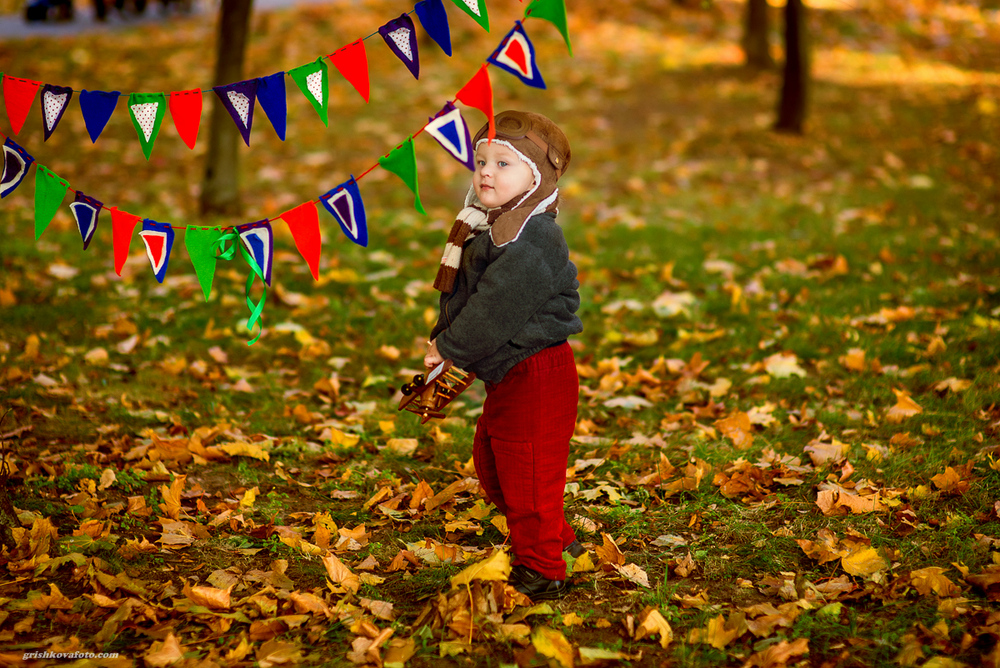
508	303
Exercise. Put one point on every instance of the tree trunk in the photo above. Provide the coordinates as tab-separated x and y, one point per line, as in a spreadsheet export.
220	191
794	84
756	47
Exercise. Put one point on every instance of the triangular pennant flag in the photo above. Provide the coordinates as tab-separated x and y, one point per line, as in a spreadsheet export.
449	129
478	93
516	54
159	239
303	222
271	95
16	162
434	19
18	94
314	82
258	238
401	37
345	204
402	161
147	110
239	100
122	225
49	193
352	63
477	10
201	243
553	11
185	109
55	100
85	210
97	107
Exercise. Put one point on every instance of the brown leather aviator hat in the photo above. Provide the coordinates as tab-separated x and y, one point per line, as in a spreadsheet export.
542	145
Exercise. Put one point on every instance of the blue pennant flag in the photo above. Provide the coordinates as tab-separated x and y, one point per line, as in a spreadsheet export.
449	129
97	107
85	210
16	162
158	238
271	95
344	203
516	54
239	99
258	238
435	21
55	100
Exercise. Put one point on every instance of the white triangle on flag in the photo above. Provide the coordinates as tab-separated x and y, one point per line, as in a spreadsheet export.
525	66
53	103
148	237
241	103
401	36
460	150
474	6
145	114
314	82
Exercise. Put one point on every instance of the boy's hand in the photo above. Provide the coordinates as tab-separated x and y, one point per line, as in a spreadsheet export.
433	357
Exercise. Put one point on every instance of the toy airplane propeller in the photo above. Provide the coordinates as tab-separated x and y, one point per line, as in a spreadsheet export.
428	396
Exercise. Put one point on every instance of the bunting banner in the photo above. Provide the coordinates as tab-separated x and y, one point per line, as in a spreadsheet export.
147	110
239	100
401	37
185	109
477	10
553	11
303	223
434	20
478	93
271	95
227	246
122	226
352	63
449	129
55	100
345	205
18	94
49	193
201	243
85	211
258	239
16	162
159	239
314	82
402	161
516	54
97	107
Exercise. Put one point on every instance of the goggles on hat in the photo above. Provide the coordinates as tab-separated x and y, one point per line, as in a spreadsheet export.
514	125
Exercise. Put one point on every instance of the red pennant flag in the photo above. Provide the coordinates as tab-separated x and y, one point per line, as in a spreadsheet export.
122	224
303	222
185	109
478	93
19	94
352	62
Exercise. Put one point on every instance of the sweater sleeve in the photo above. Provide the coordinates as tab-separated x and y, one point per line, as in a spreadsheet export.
526	274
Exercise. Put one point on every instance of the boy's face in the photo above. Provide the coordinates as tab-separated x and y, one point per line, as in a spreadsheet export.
500	175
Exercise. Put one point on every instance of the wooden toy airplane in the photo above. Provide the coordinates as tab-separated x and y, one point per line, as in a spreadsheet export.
428	396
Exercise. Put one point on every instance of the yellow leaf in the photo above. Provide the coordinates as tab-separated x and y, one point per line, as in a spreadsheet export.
953	384
718	632
239	652
337	437
854	360
778	656
864	562
399	651
572	619
164	653
584	564
783	365
171	505
553	644
737	428
651	623
905	407
245	449
340	574
403	446
209	597
496	567
932	579
249	498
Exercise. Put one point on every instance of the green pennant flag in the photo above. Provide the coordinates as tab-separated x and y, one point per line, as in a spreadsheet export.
477	10
49	193
314	82
147	111
200	243
402	161
553	11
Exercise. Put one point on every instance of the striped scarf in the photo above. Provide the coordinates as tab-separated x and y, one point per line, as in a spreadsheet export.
469	223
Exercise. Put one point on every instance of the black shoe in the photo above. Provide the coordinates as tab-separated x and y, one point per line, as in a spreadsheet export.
535	586
575	549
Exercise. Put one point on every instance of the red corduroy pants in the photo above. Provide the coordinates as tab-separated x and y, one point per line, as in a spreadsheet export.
521	450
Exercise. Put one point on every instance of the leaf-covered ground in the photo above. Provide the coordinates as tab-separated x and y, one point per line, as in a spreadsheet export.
790	415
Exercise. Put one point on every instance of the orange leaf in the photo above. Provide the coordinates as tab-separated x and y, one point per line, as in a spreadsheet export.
172	497
164	653
341	574
905	408
737	428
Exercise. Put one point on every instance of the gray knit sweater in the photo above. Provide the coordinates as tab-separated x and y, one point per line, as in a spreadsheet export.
509	301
